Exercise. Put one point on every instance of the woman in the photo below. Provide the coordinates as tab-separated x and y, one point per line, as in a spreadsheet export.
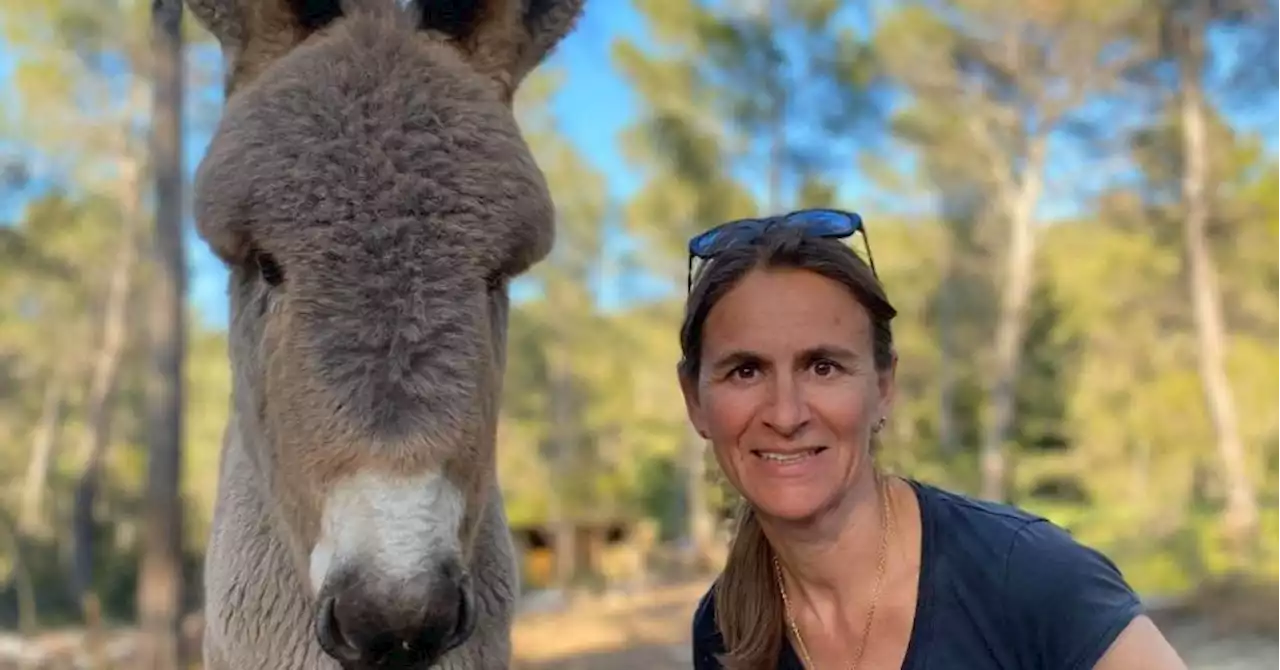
788	370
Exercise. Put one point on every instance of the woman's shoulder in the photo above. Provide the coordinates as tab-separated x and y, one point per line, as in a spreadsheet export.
1018	535
1065	595
1058	596
1026	546
949	505
978	532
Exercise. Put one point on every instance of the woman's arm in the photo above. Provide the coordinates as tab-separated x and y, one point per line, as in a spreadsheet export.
1141	646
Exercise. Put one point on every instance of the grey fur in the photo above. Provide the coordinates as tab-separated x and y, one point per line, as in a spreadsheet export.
382	168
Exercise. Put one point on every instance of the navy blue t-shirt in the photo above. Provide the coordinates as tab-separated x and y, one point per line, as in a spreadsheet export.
999	589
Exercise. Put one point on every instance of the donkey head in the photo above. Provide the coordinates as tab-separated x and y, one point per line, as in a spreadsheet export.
371	193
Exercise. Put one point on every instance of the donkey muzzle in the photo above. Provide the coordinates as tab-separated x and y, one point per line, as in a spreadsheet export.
405	625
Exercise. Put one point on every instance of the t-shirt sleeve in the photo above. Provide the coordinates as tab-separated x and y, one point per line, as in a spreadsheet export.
1069	601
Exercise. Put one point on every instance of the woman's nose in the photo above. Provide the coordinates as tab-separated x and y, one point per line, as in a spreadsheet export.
788	411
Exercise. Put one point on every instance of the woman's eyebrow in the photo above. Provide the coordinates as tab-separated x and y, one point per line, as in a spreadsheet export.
742	356
736	358
829	351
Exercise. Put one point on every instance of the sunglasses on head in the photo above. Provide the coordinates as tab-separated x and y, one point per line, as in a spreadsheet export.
829	223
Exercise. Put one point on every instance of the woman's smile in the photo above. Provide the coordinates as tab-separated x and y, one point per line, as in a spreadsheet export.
789	462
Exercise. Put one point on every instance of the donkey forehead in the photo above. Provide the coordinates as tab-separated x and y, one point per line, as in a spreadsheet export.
396	359
388	180
368	137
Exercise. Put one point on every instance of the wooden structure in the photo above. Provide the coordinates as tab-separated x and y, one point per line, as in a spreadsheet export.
608	552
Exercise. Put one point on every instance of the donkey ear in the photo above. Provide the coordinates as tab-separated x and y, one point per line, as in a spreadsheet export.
223	18
546	22
254	33
505	39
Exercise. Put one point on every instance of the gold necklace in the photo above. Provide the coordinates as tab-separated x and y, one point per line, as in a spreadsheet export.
886	528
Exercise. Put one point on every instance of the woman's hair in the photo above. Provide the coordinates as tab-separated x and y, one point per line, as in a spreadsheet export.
749	610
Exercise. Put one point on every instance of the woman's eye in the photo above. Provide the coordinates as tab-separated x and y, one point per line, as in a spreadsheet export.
268	268
825	368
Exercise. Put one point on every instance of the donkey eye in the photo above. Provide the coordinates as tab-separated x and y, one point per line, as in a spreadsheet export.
268	268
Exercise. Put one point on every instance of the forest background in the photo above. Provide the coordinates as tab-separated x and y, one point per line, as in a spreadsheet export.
1072	203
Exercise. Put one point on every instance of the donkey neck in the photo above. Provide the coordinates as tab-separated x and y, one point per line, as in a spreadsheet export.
257	604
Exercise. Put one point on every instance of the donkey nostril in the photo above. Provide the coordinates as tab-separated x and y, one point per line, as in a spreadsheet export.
329	633
466	613
417	623
465	624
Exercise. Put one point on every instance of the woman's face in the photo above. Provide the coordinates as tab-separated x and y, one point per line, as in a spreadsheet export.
788	392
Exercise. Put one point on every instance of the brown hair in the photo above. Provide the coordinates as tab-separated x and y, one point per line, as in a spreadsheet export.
749	611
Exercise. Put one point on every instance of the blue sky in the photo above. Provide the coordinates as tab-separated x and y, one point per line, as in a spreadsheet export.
594	104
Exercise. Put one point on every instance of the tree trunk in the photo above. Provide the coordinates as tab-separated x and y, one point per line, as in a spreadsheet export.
777	122
701	525
102	385
31	521
160	580
961	204
1241	513
946	308
23	585
562	460
1015	292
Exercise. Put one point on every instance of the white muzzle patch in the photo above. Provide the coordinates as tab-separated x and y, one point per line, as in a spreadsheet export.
387	525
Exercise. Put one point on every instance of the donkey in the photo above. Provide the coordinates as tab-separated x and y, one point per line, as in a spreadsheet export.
372	195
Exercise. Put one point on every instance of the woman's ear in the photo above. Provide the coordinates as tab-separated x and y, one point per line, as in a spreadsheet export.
693	404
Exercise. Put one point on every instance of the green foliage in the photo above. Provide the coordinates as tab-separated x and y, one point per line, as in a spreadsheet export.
739	111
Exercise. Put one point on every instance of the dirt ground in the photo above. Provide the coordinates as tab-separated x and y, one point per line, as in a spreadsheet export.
645	631
649	631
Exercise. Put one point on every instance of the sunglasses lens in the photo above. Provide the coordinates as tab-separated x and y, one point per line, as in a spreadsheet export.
816	223
703	244
723	237
821	223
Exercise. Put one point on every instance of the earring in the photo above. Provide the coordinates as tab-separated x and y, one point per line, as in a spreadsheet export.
879	425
